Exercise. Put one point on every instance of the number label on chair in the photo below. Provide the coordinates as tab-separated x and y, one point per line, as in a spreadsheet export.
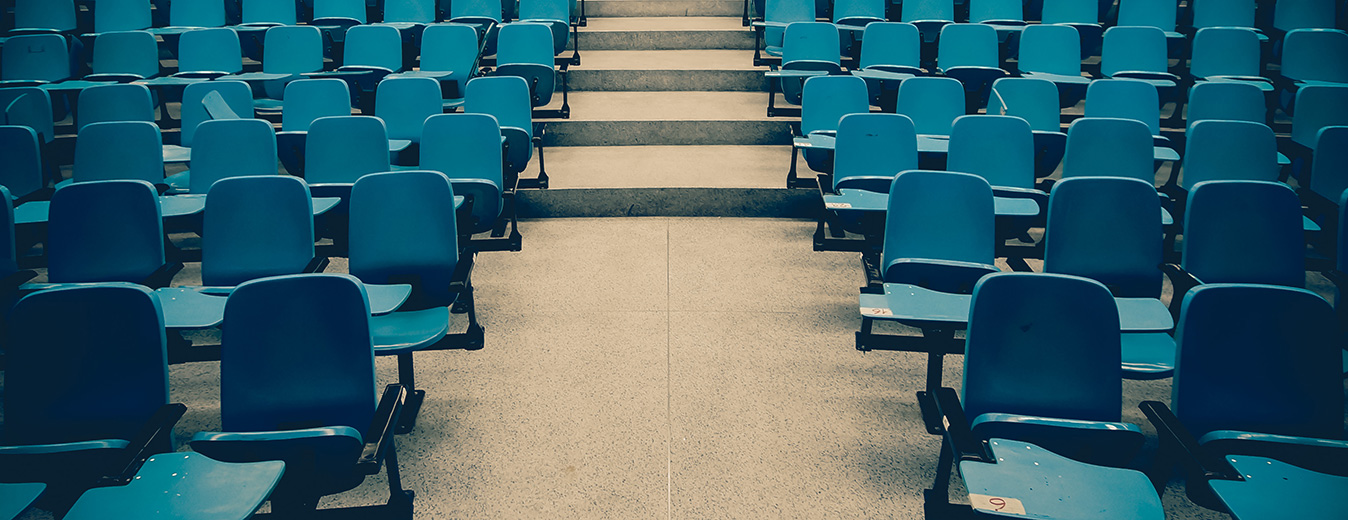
998	504
837	205
876	311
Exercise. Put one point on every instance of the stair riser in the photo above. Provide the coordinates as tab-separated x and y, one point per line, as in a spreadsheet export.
636	133
668	80
669	202
620	8
665	40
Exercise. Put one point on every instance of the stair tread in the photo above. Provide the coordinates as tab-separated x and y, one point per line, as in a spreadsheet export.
668	106
691	166
693	59
666	23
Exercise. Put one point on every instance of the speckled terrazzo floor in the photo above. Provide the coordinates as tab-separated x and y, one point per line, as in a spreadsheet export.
663	368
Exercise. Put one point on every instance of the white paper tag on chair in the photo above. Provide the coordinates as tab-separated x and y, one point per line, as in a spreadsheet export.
876	311
838	205
998	504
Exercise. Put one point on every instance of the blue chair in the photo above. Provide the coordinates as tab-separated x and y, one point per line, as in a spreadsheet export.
119	150
297	385
407	15
255	227
507	99
31	107
929	16
334	18
1257	417
933	104
1234	101
237	96
21	171
809	49
1045	402
370	53
405	103
1000	149
1329	171
54	16
310	99
824	101
209	53
525	50
1053	52
189	15
107	231
1138	53
557	15
1312	57
935	250
449	55
214	490
123	57
383	251
1082	15
1131	99
1035	101
266	13
1108	229
1109	147
1326	105
341	150
768	32
968	52
1224	13
852	17
1229	151
1228	54
231	148
1007	18
1160	14
1307	14
467	149
890	53
34	59
121	15
870	150
289	52
114	102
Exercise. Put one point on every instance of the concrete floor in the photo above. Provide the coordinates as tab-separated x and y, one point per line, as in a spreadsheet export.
663	368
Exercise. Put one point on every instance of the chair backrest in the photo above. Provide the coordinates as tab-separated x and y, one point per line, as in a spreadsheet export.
1341	263
995	10
115	102
1044	345
405	103
859	10
1258	359
310	99
1318	106
1125	99
955	226
1315	54
551	10
237	94
890	43
350	9
1133	49
284	12
785	12
119	150
1225	51
1109	147
922	10
30	107
1052	49
1071	11
197	13
1223	13
383	248
231	148
210	50
419	11
1329	168
826	99
1304	14
999	149
476	9
104	231
1107	229
21	171
874	145
45	14
9	262
121	15
373	46
1244	232
526	43
463	146
293	49
126	52
450	47
69	380
341	149
1032	99
41	57
932	103
1148	13
811	41
1228	100
256	227
1217	150
504	97
297	349
968	45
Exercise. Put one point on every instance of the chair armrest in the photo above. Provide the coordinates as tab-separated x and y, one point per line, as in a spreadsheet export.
12	282
316	265
949	418
154	437
162	277
463	272
379	438
1173	434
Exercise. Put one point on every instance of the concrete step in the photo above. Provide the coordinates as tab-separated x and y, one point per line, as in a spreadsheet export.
630	8
667	70
659	33
667	118
721	181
